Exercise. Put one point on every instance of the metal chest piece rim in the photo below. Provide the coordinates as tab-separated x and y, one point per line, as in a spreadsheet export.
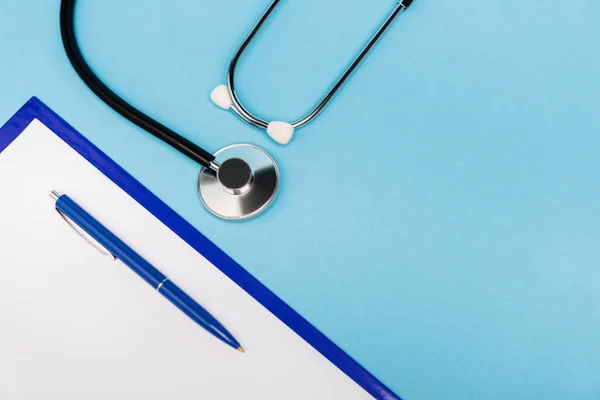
245	184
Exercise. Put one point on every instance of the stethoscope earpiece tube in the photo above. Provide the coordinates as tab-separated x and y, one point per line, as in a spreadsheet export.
180	143
225	96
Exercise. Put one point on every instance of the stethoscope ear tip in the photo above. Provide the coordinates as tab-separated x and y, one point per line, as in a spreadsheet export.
281	132
220	96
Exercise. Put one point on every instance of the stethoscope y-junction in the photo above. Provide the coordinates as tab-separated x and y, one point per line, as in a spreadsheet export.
241	180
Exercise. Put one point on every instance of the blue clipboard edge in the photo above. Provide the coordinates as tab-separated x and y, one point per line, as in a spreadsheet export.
36	109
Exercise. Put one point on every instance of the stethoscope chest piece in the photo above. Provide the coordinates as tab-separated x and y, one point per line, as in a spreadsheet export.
245	184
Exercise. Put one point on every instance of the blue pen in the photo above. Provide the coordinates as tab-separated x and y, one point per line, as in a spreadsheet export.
69	209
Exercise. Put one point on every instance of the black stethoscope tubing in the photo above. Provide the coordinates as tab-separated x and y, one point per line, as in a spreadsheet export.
69	39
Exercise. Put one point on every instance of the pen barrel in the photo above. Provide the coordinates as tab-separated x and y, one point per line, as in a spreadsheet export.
193	310
112	243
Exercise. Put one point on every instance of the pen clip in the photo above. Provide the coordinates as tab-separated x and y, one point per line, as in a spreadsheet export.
94	243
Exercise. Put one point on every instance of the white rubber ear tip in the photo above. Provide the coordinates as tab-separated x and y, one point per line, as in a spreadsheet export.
281	132
220	96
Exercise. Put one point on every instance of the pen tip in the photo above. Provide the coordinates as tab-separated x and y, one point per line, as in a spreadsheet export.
241	350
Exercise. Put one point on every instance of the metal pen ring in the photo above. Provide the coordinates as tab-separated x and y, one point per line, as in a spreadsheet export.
225	96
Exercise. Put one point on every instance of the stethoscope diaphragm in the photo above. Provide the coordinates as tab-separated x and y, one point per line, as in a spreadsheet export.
245	184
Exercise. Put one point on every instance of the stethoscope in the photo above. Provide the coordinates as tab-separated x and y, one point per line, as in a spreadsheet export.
238	181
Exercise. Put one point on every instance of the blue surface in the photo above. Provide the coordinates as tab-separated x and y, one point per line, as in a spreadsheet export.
445	229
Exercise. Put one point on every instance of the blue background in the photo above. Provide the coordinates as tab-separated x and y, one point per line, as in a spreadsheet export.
440	221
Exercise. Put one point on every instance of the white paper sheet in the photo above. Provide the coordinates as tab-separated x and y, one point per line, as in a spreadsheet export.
76	325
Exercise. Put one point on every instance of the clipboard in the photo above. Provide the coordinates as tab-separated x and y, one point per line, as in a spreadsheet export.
34	110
